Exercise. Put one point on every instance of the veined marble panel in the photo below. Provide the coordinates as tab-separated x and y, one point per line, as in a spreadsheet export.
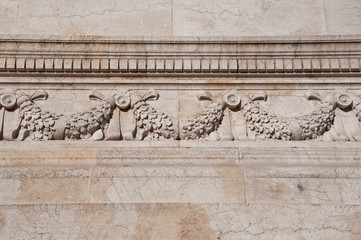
180	18
120	18
180	221
197	172
242	18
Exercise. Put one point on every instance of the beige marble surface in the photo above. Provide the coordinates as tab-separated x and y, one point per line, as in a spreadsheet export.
242	18
181	221
180	18
342	17
132	18
260	172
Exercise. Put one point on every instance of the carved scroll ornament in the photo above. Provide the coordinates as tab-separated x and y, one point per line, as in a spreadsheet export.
127	116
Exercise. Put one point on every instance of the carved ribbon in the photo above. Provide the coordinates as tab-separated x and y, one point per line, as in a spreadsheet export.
262	122
10	101
127	115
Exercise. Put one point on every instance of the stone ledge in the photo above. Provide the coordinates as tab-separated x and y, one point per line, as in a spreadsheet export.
177	144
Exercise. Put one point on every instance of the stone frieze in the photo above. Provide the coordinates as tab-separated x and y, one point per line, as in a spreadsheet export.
127	115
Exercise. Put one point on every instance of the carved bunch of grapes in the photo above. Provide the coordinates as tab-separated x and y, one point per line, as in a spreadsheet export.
318	122
202	125
156	125
84	125
41	123
265	123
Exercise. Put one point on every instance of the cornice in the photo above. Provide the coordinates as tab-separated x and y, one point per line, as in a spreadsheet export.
89	56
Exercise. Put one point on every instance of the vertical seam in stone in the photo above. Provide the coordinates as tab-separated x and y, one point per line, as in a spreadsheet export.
237	62
16	66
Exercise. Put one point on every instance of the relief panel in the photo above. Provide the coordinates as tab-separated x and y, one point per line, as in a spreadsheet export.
230	115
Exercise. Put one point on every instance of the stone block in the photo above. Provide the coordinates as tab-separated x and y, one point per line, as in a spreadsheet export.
123	65
187	65
95	65
132	63
20	64
104	65
77	65
30	64
58	65
44	190
86	65
2	64
270	65
68	65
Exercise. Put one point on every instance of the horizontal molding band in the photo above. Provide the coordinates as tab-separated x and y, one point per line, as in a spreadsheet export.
179	66
198	57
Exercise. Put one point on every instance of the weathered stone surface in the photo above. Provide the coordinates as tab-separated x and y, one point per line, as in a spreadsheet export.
167	190
44	190
180	18
130	18
201	172
228	178
342	17
180	221
242	18
107	173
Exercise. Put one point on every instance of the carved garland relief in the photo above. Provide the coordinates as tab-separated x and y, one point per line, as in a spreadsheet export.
127	116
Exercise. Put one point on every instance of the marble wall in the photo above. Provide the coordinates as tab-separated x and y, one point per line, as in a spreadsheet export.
251	188
189	190
181	18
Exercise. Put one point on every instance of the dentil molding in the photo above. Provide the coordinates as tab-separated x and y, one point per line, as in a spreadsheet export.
191	57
